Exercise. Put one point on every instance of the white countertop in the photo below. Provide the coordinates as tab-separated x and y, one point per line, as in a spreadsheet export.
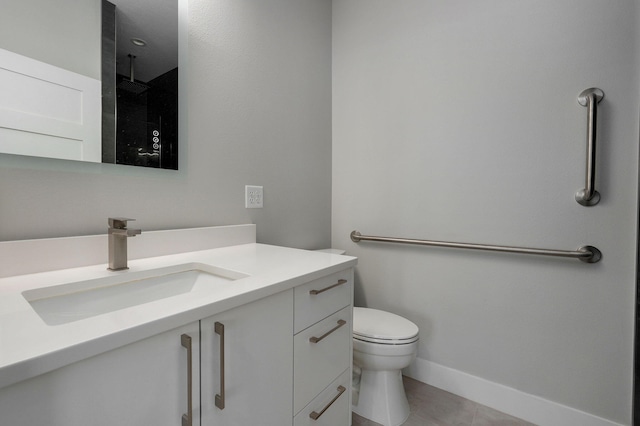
29	347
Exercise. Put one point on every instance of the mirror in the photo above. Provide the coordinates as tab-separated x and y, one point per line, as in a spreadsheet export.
52	74
140	83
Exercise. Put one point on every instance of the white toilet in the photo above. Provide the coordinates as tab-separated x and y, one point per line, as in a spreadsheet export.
383	344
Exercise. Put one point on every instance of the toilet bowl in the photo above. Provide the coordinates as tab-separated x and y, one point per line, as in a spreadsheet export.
383	344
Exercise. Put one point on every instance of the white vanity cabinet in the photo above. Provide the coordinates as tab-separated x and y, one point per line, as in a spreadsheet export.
247	358
144	383
323	351
283	359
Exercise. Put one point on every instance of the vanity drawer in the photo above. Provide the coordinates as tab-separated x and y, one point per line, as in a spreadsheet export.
334	400
322	297
316	364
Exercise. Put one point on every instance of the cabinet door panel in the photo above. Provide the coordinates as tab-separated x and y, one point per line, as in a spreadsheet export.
144	383
258	370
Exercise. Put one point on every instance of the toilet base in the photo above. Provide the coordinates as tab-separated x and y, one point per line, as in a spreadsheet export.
382	398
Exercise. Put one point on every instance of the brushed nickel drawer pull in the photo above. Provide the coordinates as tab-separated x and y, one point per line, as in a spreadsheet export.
317	339
187	418
315	416
219	329
340	282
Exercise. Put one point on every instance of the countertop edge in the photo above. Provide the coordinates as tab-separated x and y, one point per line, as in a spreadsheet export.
273	283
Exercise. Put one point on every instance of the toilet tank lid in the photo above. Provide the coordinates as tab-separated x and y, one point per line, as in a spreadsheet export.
377	324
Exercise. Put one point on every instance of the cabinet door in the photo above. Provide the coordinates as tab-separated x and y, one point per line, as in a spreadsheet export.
144	383
255	384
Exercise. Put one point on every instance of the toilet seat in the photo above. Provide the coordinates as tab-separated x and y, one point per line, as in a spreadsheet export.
384	328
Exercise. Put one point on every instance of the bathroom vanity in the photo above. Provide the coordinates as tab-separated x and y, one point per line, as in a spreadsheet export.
257	334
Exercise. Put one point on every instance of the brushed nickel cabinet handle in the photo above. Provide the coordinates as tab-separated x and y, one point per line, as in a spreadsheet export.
219	329
317	339
340	282
315	415
187	418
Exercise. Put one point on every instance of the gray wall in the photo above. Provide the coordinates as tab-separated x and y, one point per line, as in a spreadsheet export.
259	113
458	121
452	120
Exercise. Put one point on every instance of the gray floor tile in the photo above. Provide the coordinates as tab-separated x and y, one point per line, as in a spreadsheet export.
361	421
431	406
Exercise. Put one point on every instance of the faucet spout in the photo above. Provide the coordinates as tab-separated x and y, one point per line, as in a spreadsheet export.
117	235
124	232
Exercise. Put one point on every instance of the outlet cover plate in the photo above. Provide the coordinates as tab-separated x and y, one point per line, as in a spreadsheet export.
253	197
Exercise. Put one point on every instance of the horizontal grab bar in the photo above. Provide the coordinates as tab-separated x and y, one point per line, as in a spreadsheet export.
587	254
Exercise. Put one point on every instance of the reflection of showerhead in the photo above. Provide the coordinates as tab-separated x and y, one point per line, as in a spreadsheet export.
130	85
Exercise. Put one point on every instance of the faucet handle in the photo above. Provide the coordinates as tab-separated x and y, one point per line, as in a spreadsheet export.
118	222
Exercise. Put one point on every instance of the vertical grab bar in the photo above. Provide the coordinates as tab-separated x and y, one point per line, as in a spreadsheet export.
588	196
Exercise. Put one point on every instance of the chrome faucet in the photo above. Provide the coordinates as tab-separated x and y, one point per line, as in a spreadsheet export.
118	234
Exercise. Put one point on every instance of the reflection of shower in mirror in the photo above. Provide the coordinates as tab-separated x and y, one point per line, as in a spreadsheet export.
130	84
140	83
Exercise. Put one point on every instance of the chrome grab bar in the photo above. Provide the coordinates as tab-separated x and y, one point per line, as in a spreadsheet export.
587	254
590	98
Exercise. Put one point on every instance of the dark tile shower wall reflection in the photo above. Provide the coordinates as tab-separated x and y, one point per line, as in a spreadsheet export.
139	118
147	121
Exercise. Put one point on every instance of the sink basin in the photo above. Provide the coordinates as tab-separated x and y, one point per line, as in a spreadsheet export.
84	299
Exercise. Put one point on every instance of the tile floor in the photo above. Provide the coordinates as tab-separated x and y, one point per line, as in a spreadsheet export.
434	407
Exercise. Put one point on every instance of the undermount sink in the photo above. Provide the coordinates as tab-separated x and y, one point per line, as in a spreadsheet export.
84	299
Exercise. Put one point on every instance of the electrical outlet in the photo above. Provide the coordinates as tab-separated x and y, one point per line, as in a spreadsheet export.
253	197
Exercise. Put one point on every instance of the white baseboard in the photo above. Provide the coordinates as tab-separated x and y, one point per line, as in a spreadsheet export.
500	397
